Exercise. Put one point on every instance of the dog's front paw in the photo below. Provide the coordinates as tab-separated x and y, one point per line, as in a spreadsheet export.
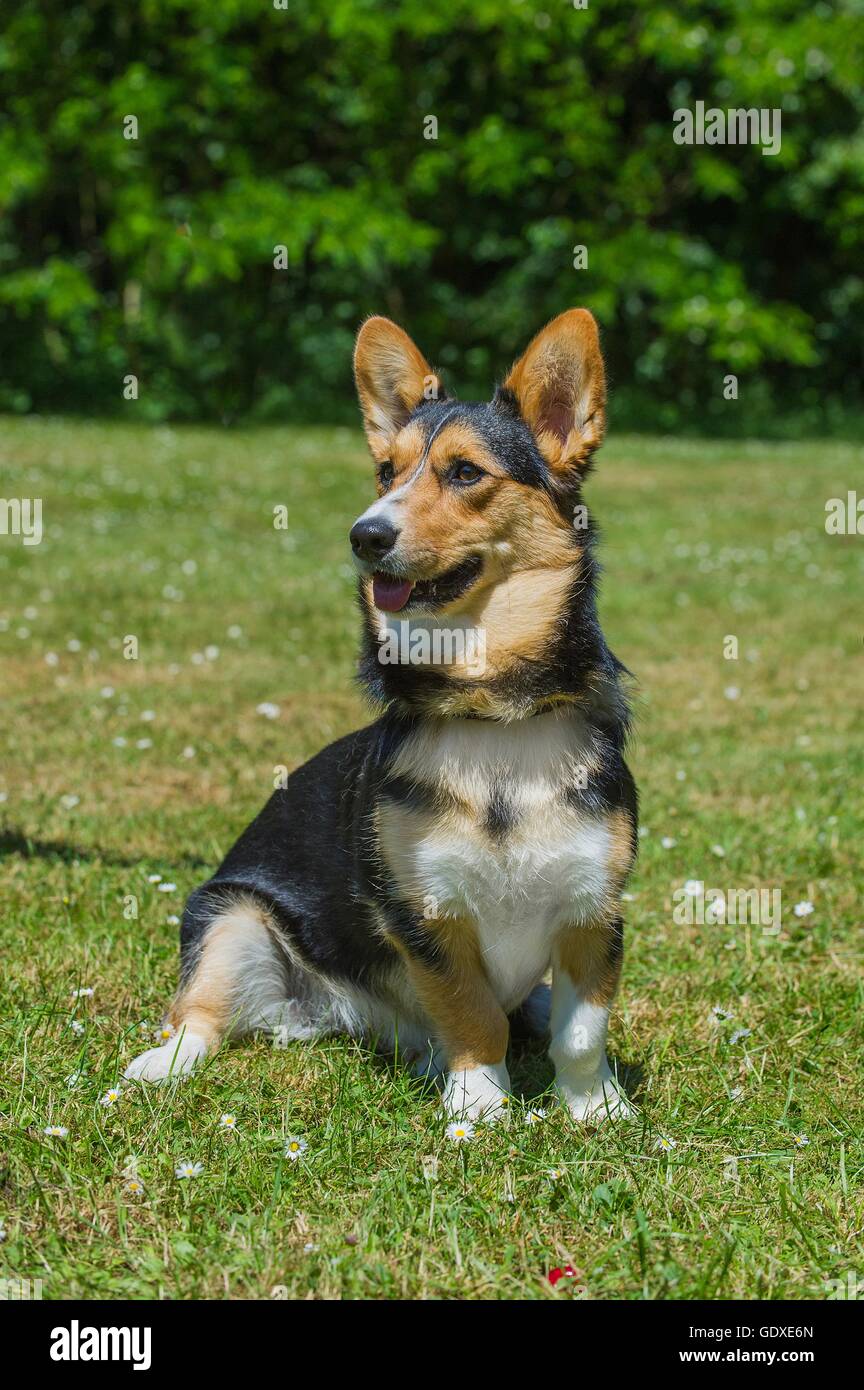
173	1060
598	1101
477	1092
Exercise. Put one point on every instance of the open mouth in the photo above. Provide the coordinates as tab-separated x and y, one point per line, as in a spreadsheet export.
392	593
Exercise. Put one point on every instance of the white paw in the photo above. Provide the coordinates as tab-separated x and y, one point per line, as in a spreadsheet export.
174	1059
478	1092
599	1100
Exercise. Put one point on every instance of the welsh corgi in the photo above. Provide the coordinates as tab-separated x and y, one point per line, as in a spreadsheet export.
414	882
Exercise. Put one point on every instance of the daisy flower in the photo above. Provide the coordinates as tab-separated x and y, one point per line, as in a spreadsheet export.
167	888
554	1174
719	851
668	842
736	1092
803	909
86	992
2	1232
228	1122
460	1131
739	1035
73	1079
135	1187
269	711
295	1147
722	1015
164	1033
172	920
77	1028
535	1116
56	1131
154	878
110	1097
800	1141
189	1170
665	1144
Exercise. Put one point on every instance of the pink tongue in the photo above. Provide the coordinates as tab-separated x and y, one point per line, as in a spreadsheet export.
390	594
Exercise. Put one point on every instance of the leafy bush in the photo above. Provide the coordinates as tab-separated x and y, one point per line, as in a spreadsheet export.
305	127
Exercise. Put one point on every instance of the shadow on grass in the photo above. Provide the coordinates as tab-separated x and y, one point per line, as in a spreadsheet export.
64	851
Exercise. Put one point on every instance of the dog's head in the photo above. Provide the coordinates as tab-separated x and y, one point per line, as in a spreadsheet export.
469	494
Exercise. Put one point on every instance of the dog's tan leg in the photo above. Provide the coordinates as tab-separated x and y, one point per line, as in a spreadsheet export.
235	981
470	1023
586	969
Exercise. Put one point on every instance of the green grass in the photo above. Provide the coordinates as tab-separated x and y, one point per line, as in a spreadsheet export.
701	541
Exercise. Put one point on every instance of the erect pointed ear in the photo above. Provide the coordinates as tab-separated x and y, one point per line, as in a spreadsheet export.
392	377
560	389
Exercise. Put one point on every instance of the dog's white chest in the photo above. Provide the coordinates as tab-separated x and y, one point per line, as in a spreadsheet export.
510	855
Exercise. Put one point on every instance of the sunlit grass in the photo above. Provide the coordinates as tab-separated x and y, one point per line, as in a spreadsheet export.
167	536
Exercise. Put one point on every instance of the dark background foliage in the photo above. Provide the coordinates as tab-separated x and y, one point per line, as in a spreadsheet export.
303	127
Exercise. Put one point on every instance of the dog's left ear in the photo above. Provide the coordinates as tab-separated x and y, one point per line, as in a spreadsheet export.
560	389
393	378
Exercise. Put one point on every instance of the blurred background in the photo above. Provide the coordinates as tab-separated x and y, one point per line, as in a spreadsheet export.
305	127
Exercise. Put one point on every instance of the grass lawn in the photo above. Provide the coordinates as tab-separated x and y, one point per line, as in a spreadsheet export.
115	770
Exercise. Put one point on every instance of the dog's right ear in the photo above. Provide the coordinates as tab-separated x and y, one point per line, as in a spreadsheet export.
393	378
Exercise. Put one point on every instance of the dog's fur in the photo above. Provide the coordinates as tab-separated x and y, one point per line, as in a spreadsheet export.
413	883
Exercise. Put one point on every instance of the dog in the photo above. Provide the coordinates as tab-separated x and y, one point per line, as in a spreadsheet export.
414	882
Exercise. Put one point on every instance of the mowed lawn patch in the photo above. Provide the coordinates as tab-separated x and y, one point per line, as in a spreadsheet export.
741	1176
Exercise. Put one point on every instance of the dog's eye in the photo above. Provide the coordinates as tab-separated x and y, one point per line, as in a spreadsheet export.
385	474
465	472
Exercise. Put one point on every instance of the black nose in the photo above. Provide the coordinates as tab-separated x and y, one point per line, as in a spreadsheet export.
371	537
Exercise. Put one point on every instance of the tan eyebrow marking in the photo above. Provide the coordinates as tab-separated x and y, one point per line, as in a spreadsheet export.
459	440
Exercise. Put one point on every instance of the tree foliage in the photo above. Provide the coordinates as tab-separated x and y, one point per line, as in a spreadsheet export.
305	127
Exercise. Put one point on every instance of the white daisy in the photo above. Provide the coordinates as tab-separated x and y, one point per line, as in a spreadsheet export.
189	1170
534	1117
269	710
166	1032
295	1147
668	842
69	801
800	1141
172	920
167	888
732	692
722	1015
154	878
77	1028
56	1131
460	1131
135	1187
86	992
803	909
228	1122
73	1079
739	1035
719	851
110	1097
665	1144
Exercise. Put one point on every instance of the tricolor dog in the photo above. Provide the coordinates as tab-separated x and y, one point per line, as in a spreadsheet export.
414	882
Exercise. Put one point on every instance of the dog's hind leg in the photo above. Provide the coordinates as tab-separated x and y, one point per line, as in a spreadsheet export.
235	979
